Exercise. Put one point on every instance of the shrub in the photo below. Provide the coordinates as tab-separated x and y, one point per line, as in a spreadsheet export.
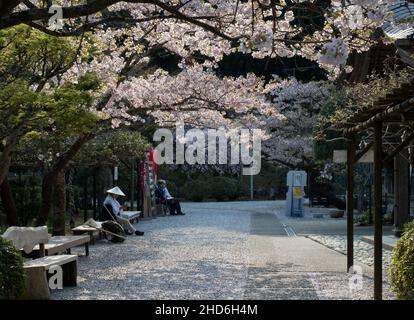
219	188
12	278
196	190
402	265
362	219
223	188
336	202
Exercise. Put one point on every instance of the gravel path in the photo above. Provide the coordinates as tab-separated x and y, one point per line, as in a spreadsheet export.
197	256
233	250
363	251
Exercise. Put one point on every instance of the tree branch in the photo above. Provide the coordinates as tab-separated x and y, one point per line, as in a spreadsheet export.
31	15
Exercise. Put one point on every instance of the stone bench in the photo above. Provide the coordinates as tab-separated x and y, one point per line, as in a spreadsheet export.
37	284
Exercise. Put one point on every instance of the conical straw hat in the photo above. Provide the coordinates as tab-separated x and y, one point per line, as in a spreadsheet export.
116	190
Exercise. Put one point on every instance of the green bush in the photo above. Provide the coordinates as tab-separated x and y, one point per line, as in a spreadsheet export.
12	278
362	219
196	190
402	265
222	188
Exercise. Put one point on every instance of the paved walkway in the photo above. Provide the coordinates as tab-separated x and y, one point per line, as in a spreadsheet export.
230	250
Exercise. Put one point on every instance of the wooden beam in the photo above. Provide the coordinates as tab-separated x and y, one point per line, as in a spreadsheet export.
398	149
350	200
378	210
379	117
360	154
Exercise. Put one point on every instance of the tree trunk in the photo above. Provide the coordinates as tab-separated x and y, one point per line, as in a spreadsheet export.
49	179
8	203
47	195
59	207
70	198
5	159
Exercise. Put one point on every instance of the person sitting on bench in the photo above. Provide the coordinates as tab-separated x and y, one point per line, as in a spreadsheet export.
114	209
163	196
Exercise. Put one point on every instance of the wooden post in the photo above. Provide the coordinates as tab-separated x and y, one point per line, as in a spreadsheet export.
378	211
139	193
350	200
132	191
401	191
370	203
85	198
41	250
94	195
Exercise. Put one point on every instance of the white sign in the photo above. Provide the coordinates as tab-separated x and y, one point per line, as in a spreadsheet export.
116	173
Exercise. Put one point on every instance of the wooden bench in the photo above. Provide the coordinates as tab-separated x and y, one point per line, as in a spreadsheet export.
37	285
132	216
60	244
83	229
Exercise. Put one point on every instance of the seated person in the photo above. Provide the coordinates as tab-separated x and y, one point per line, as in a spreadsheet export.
163	196
111	201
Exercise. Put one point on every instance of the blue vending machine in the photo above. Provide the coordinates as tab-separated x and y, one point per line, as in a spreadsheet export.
296	182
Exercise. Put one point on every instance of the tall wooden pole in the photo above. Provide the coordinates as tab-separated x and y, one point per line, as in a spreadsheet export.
139	193
401	191
132	191
251	185
85	198
351	149
378	210
94	195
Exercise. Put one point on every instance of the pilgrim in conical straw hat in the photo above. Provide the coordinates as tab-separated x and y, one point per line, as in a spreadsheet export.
116	190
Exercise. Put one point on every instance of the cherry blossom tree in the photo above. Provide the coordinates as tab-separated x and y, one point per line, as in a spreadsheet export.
291	140
128	95
114	41
320	30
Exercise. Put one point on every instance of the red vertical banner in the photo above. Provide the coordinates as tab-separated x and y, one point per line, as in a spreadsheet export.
153	158
150	155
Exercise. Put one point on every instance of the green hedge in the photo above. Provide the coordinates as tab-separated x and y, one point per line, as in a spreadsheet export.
218	188
223	188
196	190
402	265
12	278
